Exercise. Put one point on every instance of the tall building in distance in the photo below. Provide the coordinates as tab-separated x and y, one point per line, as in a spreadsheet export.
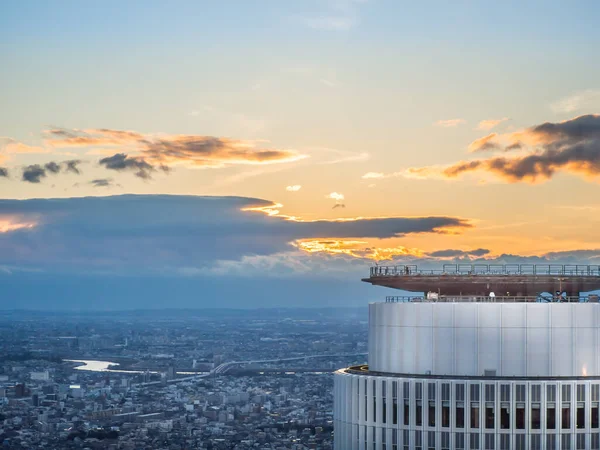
485	357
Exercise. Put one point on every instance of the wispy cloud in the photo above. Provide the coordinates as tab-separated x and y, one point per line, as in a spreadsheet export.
449	123
583	100
102	182
490	123
485	143
168	150
9	145
293	188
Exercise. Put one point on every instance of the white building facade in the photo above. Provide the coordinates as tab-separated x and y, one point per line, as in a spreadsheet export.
471	375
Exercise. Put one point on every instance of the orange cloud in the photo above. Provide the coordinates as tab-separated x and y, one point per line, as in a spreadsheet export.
450	123
485	143
490	123
571	146
8	224
191	150
355	249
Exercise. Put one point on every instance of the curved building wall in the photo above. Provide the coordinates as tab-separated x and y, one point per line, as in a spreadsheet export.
412	413
475	339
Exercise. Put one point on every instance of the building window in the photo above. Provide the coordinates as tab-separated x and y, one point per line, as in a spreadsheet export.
474	415
460	406
536	416
445	392
551	417
394	437
505	393
431	440
520	392
565	442
489	416
459	441
446	405
490	441
504	442
505	416
581	392
418	440
520	416
580	416
474	441
535	442
445	440
406	392
445	414
595	441
394	403
536	393
431	399
566	417
374	394
419	413
595	392
594	418
550	442
490	393
566	393
520	442
366	399
551	393
406	439
384	401
580	442
474	391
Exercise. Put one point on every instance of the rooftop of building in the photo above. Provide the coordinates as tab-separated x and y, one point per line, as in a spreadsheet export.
492	298
564	270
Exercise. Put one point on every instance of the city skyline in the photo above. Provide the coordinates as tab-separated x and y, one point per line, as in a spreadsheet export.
284	142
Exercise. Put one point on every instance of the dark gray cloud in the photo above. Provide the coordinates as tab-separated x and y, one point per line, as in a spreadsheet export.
33	173
122	162
452	253
72	166
101	182
52	167
3	172
173	231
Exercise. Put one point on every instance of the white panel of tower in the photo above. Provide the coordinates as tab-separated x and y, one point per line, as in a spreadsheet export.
562	350
538	351
489	349
466	350
513	351
443	356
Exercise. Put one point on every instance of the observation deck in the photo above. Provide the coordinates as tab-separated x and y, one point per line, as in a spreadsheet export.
510	280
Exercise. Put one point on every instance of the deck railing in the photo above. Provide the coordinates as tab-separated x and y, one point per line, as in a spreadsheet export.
488	299
489	270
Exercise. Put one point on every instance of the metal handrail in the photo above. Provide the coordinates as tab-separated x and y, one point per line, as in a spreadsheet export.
489	270
488	299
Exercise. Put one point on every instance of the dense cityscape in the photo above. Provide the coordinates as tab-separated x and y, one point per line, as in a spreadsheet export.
211	379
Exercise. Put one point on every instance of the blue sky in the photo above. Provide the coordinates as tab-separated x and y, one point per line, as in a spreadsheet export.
367	111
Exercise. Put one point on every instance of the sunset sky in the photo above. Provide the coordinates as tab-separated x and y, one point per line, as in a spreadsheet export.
312	139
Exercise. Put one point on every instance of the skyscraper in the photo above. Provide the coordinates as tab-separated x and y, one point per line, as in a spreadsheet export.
492	357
